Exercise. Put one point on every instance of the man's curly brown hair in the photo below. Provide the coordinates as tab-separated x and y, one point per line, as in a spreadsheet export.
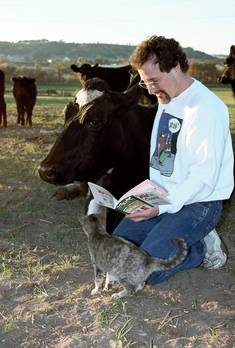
168	53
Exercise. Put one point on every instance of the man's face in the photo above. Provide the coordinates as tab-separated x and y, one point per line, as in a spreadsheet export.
162	84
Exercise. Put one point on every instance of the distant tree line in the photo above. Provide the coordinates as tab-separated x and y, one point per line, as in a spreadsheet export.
59	71
43	50
207	72
37	50
33	59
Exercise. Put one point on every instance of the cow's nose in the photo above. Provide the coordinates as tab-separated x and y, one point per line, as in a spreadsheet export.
47	173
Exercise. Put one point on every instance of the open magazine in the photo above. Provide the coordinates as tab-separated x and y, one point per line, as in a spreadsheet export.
141	197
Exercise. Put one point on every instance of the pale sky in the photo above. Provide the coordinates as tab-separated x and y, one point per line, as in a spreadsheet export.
204	25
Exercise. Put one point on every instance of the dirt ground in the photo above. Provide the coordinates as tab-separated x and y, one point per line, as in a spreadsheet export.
46	276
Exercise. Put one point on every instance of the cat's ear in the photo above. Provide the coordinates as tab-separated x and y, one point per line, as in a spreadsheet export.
101	215
81	218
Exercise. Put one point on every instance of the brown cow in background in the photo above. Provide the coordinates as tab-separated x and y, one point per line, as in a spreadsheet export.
228	75
3	114
25	93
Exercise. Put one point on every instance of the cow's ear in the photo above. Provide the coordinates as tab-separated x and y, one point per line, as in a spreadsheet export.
232	50
94	67
75	68
130	97
32	80
14	79
133	72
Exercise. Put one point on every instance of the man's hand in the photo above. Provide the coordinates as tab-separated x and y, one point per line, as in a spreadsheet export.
144	214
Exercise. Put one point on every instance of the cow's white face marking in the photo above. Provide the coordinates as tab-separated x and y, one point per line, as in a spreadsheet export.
85	97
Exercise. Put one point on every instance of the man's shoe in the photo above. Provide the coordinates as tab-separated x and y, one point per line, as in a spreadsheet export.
215	257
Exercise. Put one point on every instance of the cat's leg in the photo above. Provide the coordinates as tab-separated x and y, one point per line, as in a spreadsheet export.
99	275
109	280
128	289
140	286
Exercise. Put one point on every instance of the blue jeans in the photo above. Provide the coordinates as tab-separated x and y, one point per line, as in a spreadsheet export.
192	223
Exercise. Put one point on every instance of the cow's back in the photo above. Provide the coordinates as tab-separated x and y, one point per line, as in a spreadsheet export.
117	78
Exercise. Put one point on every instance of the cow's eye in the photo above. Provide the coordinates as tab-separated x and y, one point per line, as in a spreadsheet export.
94	123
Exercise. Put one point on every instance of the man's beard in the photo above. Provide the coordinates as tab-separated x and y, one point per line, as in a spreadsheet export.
165	100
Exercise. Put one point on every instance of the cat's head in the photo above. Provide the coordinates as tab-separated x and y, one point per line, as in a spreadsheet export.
93	222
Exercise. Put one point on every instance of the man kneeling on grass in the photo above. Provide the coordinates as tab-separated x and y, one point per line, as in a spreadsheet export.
191	156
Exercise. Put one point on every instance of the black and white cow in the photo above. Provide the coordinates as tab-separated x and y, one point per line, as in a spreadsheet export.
110	132
228	75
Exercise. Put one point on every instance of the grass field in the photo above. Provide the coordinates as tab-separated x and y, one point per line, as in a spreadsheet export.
60	89
225	94
58	102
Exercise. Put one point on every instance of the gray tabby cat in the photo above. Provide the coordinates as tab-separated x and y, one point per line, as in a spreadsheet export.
123	261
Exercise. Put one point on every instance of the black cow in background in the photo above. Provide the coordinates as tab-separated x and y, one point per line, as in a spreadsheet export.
118	79
25	94
228	75
3	113
109	138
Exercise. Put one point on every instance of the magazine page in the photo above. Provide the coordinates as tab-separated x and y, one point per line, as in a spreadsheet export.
146	186
152	197
102	196
131	204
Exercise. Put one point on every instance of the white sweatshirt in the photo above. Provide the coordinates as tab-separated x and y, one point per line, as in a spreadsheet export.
193	159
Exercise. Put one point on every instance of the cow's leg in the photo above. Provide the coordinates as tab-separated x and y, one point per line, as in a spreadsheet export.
69	191
22	121
19	113
29	112
4	117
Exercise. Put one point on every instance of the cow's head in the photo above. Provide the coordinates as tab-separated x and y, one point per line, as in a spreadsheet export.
24	83
228	75
94	140
85	72
23	80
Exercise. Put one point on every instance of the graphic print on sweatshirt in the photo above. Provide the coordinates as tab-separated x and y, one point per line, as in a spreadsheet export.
166	145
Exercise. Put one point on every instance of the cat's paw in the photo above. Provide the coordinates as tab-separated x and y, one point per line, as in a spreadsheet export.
94	291
122	293
116	295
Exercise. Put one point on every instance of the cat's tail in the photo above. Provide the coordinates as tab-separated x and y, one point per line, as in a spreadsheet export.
176	259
